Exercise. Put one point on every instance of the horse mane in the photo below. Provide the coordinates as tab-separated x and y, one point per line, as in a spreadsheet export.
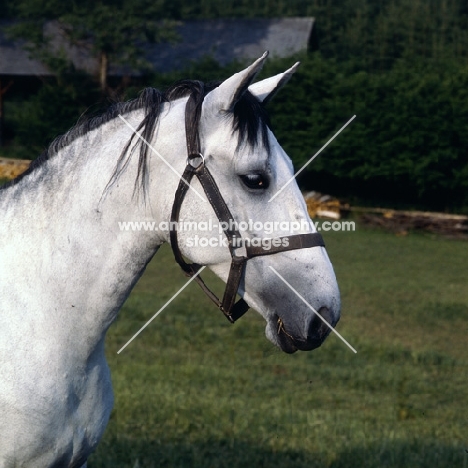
251	122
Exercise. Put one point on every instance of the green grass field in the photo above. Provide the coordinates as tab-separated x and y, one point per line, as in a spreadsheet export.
194	391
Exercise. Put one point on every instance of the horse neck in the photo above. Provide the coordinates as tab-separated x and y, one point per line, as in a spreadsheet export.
80	266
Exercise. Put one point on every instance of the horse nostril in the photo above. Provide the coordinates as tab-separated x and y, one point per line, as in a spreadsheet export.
327	314
318	329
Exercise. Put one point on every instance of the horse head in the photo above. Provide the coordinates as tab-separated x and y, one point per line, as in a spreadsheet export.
291	283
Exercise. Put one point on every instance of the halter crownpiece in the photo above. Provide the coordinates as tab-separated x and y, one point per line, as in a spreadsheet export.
196	167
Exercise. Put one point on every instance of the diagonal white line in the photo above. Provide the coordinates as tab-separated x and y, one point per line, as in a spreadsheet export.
313	310
312	158
135	131
161	309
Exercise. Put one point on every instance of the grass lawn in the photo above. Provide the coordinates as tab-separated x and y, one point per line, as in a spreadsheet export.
194	391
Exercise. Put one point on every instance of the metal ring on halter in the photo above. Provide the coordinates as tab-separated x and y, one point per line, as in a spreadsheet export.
191	157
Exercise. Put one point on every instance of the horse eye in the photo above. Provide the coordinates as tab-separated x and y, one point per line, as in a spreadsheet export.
255	181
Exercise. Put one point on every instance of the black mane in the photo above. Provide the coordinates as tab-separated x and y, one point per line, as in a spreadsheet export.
250	122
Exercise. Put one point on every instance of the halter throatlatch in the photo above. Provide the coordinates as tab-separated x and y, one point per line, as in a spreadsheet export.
196	167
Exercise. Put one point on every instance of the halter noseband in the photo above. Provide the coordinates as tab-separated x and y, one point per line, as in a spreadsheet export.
231	309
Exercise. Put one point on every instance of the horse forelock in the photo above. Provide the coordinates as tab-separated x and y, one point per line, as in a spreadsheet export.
250	123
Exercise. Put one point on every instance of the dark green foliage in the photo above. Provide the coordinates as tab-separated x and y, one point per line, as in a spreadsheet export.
407	144
51	111
370	32
398	65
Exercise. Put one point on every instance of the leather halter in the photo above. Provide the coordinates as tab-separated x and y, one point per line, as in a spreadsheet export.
231	309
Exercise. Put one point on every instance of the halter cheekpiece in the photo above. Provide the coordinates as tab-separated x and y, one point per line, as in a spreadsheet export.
196	167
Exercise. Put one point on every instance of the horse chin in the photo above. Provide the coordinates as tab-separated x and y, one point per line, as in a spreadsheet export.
279	338
286	344
278	335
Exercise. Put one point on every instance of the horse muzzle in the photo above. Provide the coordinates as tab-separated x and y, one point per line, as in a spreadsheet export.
289	341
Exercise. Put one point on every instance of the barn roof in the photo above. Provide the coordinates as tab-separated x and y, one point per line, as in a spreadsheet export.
225	40
231	40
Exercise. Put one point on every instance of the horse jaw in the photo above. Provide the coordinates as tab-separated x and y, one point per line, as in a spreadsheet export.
290	324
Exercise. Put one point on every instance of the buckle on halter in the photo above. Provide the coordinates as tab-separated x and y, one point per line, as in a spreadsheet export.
191	160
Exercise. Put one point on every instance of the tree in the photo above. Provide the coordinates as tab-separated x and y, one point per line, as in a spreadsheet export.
3	90
112	31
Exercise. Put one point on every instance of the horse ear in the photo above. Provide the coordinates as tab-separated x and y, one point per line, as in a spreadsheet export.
264	90
225	96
